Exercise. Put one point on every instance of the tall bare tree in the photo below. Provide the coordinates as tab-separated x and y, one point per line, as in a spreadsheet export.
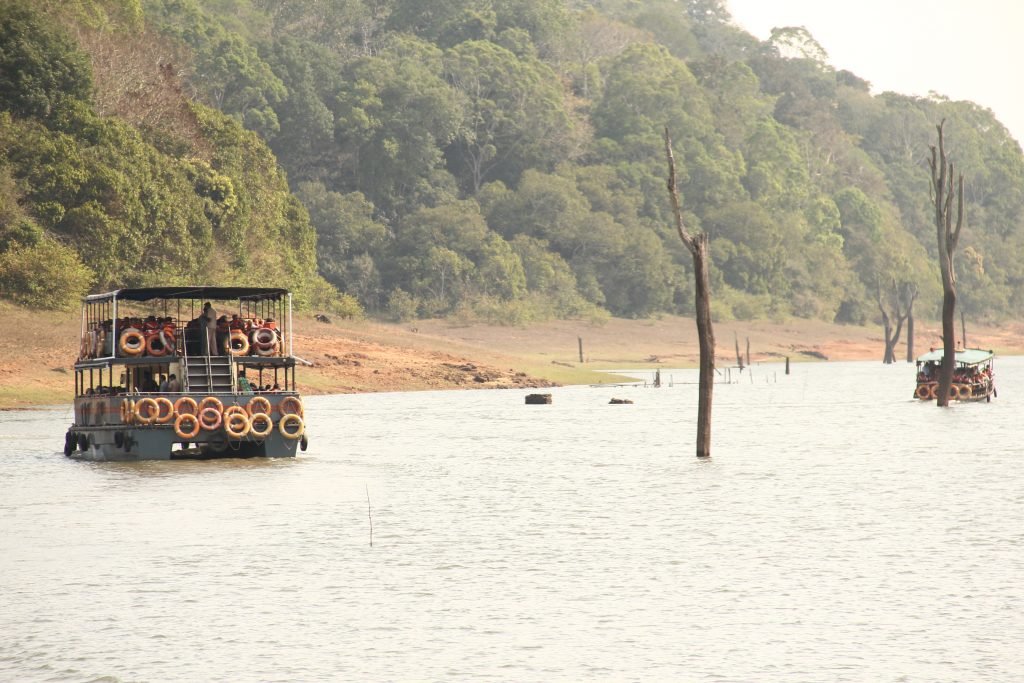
911	296
891	338
697	245
948	236
896	303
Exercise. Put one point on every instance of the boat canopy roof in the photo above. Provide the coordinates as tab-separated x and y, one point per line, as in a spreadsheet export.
191	292
963	356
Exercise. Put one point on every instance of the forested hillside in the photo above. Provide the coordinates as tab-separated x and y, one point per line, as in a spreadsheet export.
111	176
499	159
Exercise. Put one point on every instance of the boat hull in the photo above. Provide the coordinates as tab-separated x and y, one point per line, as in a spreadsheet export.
101	433
926	391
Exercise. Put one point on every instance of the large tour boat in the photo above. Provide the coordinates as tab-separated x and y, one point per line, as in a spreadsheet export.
186	372
973	376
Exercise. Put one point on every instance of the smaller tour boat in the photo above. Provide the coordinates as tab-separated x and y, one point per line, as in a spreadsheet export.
973	377
160	376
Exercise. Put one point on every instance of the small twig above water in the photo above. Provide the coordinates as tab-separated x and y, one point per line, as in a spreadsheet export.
369	513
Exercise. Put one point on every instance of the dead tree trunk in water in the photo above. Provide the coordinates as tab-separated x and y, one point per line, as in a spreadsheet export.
911	297
942	197
892	338
698	248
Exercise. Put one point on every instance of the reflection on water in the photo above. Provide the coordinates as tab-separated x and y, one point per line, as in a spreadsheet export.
841	532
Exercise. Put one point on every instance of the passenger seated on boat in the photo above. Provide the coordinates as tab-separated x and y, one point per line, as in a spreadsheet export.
244	387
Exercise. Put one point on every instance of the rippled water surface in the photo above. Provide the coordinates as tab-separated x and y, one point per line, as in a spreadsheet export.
841	532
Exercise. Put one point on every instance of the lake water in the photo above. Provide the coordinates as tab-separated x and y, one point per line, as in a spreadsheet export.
841	532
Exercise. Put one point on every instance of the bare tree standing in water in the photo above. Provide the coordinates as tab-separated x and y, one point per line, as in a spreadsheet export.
948	236
698	248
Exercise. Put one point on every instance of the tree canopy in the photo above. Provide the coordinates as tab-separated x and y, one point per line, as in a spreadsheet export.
499	158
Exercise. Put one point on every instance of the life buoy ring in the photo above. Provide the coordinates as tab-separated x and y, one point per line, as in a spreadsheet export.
287	421
236	425
933	391
964	392
231	410
236	344
260	425
210	418
164	410
186	405
151	411
132	342
954	390
179	426
264	338
923	392
211	402
258	404
291	405
270	351
155	345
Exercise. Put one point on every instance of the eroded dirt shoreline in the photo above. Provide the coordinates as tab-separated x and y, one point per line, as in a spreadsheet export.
37	351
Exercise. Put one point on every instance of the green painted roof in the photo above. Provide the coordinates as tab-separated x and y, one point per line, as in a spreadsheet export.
964	356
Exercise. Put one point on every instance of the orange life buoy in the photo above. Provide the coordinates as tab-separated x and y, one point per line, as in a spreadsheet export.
291	405
260	425
149	415
179	423
236	424
264	338
210	418
156	346
258	404
288	420
234	409
269	351
132	342
954	390
164	410
923	392
186	405
933	391
211	402
236	344
963	392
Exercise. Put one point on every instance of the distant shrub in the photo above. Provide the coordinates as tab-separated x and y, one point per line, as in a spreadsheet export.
325	297
45	275
402	306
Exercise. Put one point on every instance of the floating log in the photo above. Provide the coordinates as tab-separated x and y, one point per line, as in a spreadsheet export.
620	401
538	399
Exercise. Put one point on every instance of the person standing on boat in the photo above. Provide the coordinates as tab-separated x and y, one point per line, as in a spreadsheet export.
173	385
209	321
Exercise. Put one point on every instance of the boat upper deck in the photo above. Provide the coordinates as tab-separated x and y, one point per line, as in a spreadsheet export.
205	337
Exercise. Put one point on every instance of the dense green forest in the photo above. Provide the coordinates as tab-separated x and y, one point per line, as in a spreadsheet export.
493	159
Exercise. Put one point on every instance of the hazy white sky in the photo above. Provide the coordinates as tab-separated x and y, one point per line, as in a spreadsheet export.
963	49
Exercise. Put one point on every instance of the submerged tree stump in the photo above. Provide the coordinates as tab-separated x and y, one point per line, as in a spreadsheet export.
538	399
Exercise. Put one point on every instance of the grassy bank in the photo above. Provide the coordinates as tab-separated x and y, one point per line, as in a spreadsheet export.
38	350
